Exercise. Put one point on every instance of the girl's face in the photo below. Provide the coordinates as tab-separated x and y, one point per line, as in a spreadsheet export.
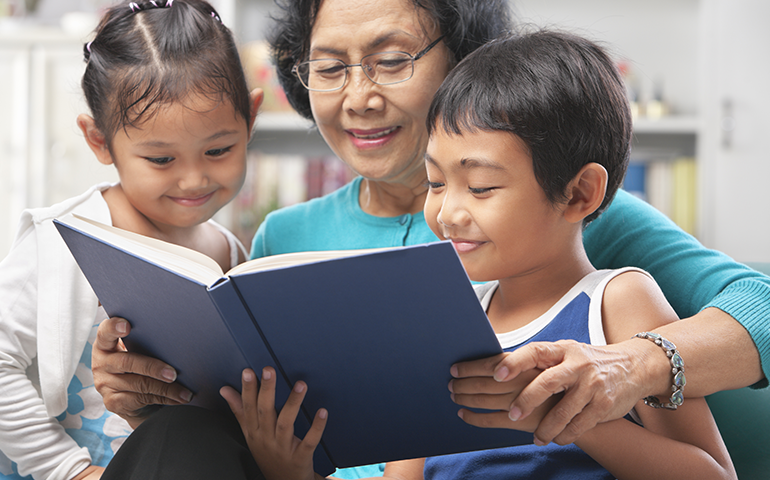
378	130
483	196
184	163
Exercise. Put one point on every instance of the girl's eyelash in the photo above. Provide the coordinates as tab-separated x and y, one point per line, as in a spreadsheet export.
216	152
480	191
432	185
159	160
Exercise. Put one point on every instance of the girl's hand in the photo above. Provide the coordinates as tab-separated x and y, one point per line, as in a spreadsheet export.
91	472
270	435
127	381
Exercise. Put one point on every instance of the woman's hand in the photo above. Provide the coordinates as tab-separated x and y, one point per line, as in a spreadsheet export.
270	435
598	384
486	393
127	381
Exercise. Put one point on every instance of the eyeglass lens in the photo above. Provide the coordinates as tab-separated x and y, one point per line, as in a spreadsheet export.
383	68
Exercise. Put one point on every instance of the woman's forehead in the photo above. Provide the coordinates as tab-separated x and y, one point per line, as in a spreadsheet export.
367	23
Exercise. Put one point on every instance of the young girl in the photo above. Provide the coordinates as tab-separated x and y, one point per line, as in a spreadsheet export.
171	110
530	139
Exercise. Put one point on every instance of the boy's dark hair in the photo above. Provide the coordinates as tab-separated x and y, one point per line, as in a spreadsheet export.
467	24
147	54
560	93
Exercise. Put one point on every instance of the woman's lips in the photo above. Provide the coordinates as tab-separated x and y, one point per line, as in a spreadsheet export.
371	138
193	201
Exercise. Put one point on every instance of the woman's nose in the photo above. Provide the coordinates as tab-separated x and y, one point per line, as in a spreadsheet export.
361	94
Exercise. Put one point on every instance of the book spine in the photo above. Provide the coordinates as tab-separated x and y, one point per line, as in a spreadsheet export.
254	347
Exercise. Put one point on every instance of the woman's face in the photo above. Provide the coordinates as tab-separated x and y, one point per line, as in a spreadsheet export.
379	130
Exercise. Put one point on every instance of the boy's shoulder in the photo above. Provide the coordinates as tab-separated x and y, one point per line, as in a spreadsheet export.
633	302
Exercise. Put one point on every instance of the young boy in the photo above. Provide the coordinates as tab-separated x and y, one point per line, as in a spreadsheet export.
530	139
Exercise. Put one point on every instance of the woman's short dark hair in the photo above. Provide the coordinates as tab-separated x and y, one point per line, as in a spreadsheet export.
467	24
560	93
148	54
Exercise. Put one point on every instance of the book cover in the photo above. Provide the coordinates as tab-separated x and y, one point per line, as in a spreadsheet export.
372	334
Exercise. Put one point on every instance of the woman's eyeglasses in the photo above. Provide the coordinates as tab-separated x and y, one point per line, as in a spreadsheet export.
382	68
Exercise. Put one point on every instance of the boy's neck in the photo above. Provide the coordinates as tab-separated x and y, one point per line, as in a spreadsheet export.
522	299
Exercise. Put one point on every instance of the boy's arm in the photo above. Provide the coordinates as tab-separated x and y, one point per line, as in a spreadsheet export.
684	443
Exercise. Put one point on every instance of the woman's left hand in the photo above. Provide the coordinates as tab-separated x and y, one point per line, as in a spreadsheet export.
598	384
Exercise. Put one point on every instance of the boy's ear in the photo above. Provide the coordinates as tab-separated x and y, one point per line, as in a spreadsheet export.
585	192
95	139
256	97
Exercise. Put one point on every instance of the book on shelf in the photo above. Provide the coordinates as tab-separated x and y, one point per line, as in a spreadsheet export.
372	332
668	183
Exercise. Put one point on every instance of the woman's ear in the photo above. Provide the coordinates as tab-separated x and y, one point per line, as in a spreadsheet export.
256	96
585	193
95	139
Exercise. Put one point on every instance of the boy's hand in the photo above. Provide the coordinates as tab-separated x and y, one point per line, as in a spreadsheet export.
270	435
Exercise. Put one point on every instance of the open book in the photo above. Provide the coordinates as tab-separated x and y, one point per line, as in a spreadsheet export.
372	332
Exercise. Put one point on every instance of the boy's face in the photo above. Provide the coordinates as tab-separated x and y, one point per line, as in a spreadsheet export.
483	196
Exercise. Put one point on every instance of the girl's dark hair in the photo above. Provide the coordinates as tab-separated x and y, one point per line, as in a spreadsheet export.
467	24
560	93
152	54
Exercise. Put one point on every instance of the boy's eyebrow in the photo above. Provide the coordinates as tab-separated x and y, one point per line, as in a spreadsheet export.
481	163
161	143
472	163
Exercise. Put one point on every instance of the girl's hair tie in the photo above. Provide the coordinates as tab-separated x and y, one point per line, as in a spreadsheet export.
134	7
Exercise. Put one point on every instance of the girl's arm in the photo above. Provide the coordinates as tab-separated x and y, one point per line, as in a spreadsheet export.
29	436
684	443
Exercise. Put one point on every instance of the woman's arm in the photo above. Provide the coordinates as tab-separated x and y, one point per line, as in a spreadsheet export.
693	278
684	443
603	383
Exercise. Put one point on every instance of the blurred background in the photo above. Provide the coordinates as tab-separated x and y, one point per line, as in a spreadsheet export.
696	70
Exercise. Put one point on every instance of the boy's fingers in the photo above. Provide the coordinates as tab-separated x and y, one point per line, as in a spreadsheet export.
284	428
265	407
234	401
483	367
249	397
497	419
313	436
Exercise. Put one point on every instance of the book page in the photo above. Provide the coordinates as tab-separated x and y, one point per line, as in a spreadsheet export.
298	258
177	258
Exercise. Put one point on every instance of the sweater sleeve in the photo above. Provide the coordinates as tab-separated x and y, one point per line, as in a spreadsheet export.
28	435
632	233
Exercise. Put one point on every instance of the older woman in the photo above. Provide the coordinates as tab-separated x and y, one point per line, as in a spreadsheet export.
365	72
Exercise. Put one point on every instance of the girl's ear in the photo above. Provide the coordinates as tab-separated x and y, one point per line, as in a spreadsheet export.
95	139
585	192
256	96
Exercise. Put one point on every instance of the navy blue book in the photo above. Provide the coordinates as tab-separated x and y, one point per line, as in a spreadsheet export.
372	332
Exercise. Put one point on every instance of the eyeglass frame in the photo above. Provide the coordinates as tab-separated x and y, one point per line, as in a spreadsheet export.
413	58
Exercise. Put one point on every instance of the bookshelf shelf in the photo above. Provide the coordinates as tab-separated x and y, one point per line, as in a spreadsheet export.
282	122
674	124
